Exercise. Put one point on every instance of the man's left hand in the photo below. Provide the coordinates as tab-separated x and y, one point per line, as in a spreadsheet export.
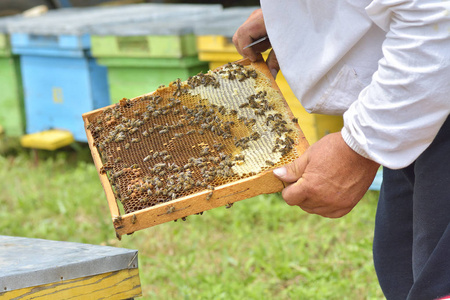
329	179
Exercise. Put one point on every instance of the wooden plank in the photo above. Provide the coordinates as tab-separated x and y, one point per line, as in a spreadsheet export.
121	284
113	207
262	183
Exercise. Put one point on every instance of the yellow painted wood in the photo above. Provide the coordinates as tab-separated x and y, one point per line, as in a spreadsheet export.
121	284
314	126
48	140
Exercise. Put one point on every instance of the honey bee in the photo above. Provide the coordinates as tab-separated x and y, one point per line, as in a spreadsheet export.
208	197
117	220
133	219
229	205
163	131
117	174
160	165
295	120
172	209
135	140
167	157
148	157
270	163
205	151
218	147
255	136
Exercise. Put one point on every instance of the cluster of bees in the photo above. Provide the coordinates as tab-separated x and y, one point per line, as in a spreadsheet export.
173	142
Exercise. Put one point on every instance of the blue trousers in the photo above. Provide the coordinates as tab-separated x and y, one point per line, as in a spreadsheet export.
412	229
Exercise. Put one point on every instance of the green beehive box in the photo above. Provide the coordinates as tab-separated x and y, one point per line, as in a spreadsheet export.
141	56
131	77
12	113
171	46
168	35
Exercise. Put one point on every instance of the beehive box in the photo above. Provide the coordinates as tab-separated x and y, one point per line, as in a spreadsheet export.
130	77
171	36
60	76
45	269
12	113
140	57
192	146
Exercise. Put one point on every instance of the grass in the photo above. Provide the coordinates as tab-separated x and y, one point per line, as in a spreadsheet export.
261	248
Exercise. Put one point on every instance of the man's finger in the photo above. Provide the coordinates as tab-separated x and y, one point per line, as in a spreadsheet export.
293	171
294	194
272	64
252	29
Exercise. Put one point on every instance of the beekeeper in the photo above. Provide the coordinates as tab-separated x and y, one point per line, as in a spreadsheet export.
385	66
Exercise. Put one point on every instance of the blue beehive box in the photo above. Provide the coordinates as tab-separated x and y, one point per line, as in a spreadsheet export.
61	79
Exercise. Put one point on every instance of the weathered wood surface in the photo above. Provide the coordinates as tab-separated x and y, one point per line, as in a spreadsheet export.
122	284
44	269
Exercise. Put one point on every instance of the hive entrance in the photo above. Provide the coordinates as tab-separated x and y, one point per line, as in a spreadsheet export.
192	136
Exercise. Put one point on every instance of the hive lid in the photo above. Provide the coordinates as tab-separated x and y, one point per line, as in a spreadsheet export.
226	23
27	262
79	21
179	23
4	21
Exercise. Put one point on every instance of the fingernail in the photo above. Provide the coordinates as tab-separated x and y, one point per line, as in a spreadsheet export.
274	73
280	172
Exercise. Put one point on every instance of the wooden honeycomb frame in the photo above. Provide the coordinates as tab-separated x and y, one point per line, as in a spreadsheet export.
262	183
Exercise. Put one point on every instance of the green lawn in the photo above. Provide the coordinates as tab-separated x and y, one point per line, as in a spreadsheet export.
261	248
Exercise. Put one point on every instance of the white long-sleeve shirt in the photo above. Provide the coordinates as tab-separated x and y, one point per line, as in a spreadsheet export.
383	64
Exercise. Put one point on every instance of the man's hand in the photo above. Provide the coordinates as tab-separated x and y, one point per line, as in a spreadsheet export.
252	29
329	179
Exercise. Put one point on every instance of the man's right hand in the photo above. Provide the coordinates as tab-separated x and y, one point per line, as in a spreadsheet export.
252	29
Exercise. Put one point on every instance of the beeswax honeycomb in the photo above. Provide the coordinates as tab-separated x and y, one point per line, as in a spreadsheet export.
193	135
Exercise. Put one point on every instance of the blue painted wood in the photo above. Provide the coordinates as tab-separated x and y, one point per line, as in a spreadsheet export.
50	45
378	180
58	90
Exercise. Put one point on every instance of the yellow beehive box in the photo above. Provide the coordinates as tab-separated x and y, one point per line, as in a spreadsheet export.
218	50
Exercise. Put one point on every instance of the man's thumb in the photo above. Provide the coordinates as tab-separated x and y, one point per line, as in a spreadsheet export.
292	171
272	63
